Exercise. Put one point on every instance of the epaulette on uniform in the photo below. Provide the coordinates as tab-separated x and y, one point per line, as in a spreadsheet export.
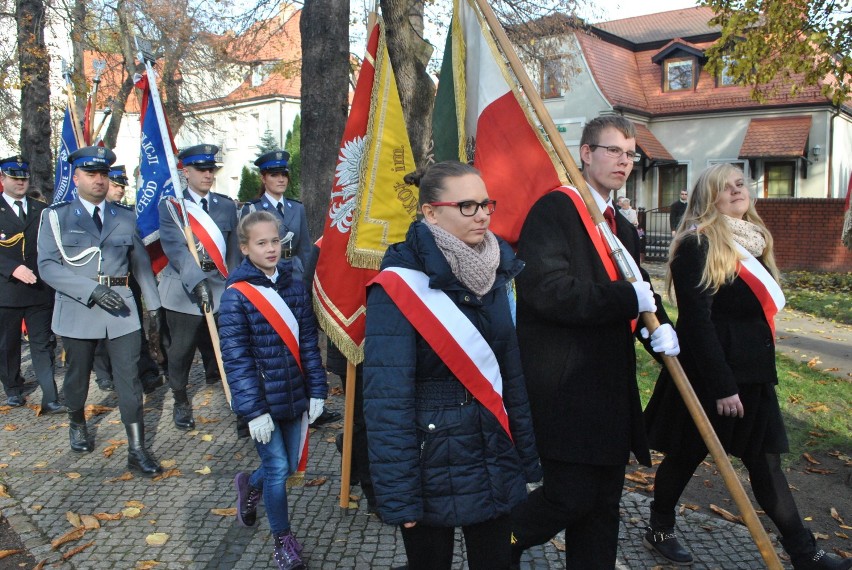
225	196
57	205
125	206
294	200
255	201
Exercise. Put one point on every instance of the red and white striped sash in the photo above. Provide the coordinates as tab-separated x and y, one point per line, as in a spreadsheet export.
450	334
283	321
762	284
207	232
598	240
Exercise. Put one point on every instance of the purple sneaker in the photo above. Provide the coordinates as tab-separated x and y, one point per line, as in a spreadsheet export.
247	499
286	553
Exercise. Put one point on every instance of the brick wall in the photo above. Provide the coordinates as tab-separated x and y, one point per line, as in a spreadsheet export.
807	233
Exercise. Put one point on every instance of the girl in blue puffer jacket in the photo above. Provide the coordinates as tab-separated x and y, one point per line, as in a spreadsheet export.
268	334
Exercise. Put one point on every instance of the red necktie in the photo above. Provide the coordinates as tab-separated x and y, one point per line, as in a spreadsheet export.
609	216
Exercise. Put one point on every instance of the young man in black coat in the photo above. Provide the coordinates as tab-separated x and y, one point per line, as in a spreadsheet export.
575	329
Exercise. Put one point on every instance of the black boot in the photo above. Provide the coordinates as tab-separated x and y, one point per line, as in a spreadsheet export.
182	412
77	432
138	458
660	538
805	555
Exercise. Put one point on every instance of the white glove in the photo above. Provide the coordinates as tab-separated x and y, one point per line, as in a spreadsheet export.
645	297
663	340
261	428
315	409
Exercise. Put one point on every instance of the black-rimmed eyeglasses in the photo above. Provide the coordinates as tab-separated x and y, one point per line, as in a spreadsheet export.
615	151
469	207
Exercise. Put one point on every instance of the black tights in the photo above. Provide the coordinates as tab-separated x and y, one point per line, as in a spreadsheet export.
767	482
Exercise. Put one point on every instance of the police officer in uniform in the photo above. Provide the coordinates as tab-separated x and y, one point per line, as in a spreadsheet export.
149	372
86	251
185	288
23	295
295	239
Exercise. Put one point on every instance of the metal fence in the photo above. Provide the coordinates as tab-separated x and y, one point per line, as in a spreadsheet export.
656	233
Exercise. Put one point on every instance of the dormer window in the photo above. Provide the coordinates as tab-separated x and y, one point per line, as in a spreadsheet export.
679	74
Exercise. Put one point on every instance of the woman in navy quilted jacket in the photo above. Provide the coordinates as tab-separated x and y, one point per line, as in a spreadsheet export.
449	428
268	334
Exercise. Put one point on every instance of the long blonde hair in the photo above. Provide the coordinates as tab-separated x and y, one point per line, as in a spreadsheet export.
704	219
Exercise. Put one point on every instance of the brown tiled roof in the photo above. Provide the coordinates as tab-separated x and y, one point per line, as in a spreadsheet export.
111	79
684	23
780	137
630	80
650	145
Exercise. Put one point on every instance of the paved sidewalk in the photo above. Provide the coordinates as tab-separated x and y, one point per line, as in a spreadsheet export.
45	480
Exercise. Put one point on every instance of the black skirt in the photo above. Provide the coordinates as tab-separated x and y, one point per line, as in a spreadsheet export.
760	430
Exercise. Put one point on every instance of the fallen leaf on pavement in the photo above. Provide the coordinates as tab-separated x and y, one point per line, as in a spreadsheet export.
10	427
637	477
810	459
316	482
686	506
206	437
819	471
5	553
77	550
131	512
3	465
93	410
203	420
203	471
73	475
4	494
74	519
40	465
836	516
560	546
841	534
146	564
157	539
126	476
230	512
843	553
820	536
168	463
813	361
727	515
37	508
75	534
137	504
90	522
167	474
109	450
107	516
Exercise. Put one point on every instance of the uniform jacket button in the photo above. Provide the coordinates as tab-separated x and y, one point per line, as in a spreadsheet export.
431	427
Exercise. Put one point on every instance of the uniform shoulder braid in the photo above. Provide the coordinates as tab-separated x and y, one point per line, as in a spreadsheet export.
57	205
125	206
224	196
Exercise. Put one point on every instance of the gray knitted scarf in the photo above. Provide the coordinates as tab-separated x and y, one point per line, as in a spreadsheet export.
475	266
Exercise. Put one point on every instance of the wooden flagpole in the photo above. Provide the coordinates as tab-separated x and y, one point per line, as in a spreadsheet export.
146	54
349	402
649	319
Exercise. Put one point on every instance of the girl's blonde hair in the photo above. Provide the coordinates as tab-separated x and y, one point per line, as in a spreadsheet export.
256	217
704	219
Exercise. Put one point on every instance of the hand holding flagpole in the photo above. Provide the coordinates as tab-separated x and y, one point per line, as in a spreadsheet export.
146	54
650	320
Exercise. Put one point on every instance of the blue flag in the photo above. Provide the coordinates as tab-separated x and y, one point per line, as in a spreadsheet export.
64	189
155	179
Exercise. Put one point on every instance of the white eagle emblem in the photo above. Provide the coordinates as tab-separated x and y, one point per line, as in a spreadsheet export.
347	175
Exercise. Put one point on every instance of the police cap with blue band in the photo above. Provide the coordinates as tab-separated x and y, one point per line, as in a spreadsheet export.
199	156
15	167
92	159
118	175
273	161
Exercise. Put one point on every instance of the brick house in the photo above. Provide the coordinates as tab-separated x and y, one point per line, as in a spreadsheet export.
797	148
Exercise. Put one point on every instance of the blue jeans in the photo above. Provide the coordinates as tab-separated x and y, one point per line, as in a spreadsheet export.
278	460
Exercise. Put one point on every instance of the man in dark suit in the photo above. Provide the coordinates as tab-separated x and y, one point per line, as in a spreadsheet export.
23	295
677	210
187	288
87	248
577	349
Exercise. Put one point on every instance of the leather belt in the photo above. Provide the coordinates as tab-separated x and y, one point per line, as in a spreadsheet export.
111	281
208	265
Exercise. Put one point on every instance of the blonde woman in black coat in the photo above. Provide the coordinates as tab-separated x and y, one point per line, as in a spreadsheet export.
725	279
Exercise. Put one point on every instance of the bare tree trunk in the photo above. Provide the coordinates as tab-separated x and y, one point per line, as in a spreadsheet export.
120	99
34	66
325	87
409	54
